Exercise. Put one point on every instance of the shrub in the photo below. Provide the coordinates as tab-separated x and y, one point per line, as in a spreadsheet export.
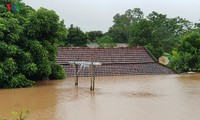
106	41
20	81
57	72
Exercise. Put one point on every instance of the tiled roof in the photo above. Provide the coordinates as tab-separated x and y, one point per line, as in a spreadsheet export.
115	61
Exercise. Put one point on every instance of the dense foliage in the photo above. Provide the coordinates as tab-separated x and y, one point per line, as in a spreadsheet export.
120	31
157	32
186	57
93	35
176	37
28	45
105	41
76	37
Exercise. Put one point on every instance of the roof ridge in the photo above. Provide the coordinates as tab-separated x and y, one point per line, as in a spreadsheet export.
135	47
151	55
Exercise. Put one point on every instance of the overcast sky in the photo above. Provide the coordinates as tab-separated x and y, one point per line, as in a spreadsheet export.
92	15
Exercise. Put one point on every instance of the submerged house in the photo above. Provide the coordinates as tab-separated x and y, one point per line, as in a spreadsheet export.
115	61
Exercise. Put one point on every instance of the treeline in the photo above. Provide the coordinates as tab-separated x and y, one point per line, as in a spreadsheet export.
176	38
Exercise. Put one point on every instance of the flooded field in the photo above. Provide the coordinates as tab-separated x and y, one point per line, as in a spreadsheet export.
155	97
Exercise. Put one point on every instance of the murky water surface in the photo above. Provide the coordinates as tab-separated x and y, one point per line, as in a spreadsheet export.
165	97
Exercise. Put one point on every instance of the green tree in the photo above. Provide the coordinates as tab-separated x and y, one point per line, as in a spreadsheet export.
76	37
43	29
93	35
10	34
167	31
61	33
120	31
105	41
141	33
186	56
28	45
158	33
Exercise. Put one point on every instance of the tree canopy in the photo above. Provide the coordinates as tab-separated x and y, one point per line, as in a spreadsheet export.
186	56
120	31
28	43
106	41
176	37
93	35
76	37
156	31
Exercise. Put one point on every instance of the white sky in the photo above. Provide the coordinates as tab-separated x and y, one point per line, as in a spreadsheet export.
92	15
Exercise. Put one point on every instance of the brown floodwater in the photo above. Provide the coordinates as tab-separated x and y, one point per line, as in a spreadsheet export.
148	97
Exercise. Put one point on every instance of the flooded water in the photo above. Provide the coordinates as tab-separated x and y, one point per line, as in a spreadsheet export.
165	97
